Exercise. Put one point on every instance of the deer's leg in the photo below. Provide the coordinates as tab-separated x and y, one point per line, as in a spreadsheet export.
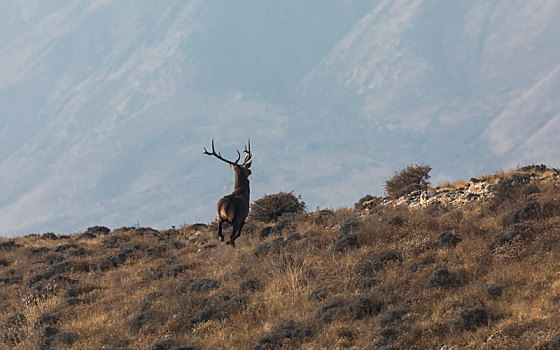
233	235
239	230
220	230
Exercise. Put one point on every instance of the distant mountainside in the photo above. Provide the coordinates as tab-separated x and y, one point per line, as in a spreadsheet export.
106	105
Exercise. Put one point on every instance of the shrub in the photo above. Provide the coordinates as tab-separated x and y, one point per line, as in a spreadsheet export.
286	330
272	206
410	179
447	240
360	204
144	316
202	285
251	285
470	318
440	278
12	329
318	294
345	242
494	290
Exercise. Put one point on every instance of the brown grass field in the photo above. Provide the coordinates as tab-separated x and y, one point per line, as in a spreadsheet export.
483	275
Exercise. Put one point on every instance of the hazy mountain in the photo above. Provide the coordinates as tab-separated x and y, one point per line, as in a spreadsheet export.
106	105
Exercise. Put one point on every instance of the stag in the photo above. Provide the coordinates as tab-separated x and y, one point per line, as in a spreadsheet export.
234	208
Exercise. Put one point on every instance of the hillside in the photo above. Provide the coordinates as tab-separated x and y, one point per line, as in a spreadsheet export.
468	265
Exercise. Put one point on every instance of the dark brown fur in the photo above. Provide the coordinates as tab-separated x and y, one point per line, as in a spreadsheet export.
234	208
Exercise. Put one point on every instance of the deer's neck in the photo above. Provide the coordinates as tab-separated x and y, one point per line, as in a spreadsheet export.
241	186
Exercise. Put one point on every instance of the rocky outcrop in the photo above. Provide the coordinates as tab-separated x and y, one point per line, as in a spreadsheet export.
473	190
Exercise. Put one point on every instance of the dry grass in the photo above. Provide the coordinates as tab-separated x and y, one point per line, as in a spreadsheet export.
388	280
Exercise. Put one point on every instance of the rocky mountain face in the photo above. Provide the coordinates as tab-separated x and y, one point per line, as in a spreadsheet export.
106	105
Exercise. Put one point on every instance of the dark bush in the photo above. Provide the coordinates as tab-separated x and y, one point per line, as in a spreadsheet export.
9	245
115	260
447	239
74	301
388	335
64	247
495	290
52	272
361	307
98	230
368	267
327	311
46	319
88	235
508	188
528	211
67	338
441	278
507	237
118	343
470	318
168	344
11	278
49	235
360	204
48	331
145	315
165	344
110	242
156	250
376	261
38	250
251	285
77	252
396	221
267	231
318	294
271	207
324	217
274	246
12	329
410	179
552	344
393	317
199	285
349	226
293	237
286	330
365	283
217	308
345	242
175	270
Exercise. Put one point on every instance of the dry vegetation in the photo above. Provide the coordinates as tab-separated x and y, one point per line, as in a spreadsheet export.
486	275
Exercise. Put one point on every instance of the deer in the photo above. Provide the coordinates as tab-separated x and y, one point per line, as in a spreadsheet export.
234	207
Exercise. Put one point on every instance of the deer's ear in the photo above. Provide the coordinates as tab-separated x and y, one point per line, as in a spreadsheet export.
232	166
248	165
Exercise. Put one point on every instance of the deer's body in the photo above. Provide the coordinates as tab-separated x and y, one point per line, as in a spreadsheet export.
234	207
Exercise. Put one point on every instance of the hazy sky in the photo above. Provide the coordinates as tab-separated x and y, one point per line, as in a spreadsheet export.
106	105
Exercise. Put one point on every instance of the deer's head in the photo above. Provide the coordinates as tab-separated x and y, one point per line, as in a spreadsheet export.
241	170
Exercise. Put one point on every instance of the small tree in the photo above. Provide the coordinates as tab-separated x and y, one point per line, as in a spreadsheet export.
272	206
410	179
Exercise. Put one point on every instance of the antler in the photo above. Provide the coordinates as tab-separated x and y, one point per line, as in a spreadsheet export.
219	156
249	155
